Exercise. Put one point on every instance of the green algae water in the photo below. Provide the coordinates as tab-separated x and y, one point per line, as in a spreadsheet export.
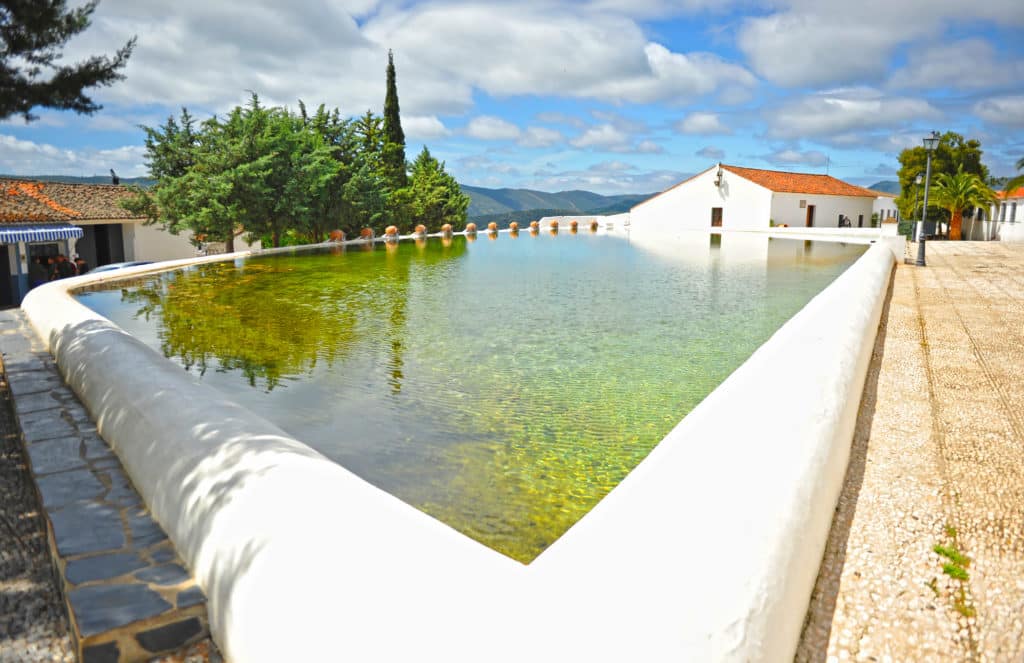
503	386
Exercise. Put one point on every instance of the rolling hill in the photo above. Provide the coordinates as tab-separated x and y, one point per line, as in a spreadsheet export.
485	201
886	186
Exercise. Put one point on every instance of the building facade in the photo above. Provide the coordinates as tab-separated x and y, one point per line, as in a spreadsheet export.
732	197
40	220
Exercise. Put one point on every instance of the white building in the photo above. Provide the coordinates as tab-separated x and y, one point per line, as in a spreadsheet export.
738	198
43	219
885	206
1004	221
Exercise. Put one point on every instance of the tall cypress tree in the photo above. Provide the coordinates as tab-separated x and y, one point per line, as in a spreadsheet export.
394	137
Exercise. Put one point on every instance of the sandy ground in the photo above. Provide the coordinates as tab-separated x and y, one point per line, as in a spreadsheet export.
938	461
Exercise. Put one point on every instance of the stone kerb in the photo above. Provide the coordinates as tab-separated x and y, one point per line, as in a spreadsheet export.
707	551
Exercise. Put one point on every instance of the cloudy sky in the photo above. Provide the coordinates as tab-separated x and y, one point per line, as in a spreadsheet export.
612	96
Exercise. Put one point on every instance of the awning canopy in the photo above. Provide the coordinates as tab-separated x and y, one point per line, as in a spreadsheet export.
39	233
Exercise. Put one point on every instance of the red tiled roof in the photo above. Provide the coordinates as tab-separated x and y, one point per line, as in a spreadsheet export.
1016	193
24	201
783	182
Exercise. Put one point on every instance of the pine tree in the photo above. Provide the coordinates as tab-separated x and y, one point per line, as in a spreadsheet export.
32	33
394	137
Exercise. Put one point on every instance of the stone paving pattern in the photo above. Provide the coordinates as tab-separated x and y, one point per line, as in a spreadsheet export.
938	460
127	593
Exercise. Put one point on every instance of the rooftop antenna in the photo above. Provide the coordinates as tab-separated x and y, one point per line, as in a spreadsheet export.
828	162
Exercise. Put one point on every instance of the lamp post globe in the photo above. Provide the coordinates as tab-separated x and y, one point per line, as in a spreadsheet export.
930	143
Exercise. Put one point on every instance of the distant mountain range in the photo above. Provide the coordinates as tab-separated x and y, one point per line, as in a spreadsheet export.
488	202
886	186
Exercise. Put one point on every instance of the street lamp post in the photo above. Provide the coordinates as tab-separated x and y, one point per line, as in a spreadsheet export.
917	193
930	144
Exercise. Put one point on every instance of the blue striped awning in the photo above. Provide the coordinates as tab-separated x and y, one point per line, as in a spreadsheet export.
40	233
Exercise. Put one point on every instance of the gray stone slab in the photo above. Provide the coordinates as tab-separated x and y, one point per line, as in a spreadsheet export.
77	414
30	383
108	652
64	488
29	362
96	447
164	575
171	636
145	531
44	400
45	425
87	527
57	455
163	554
122	492
102	567
100	608
189	597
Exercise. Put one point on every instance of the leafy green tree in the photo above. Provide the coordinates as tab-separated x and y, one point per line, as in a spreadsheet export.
952	153
435	196
955	193
364	194
393	154
32	33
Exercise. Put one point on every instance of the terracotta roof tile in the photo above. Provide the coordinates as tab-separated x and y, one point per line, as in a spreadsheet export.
783	182
24	201
1016	193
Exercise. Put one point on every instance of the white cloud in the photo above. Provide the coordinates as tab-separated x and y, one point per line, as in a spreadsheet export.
25	157
810	42
966	64
834	114
649	147
703	124
488	127
1007	110
710	152
206	55
603	136
424	126
554	117
540	137
789	157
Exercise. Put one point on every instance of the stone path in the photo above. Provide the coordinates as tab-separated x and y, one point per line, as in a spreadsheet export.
85	570
925	560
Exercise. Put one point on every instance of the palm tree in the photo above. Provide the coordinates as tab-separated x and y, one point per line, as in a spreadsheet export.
955	193
1016	182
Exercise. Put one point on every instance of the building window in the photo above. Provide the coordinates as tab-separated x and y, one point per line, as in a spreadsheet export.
803	204
860	220
1013	212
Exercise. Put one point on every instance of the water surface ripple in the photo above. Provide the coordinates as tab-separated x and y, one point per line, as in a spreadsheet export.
503	386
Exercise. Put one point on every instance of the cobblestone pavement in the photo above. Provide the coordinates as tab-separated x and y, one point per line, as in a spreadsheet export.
33	626
33	621
936	475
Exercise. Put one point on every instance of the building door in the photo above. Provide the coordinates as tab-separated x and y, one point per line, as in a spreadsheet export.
6	282
108	244
810	216
716	217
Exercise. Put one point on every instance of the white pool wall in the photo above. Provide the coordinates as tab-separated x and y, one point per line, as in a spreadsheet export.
707	551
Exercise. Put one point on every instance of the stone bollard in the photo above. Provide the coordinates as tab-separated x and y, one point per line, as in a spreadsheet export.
514	227
446	230
534	225
336	236
593	226
420	231
366	234
391	234
470	228
574	227
492	228
554	227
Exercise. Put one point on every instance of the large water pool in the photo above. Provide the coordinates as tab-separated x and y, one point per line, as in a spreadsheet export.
503	386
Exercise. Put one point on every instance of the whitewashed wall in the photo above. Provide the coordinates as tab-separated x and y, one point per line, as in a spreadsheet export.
687	206
885	207
786	209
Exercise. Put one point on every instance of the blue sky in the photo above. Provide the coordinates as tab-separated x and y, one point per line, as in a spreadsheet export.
614	96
